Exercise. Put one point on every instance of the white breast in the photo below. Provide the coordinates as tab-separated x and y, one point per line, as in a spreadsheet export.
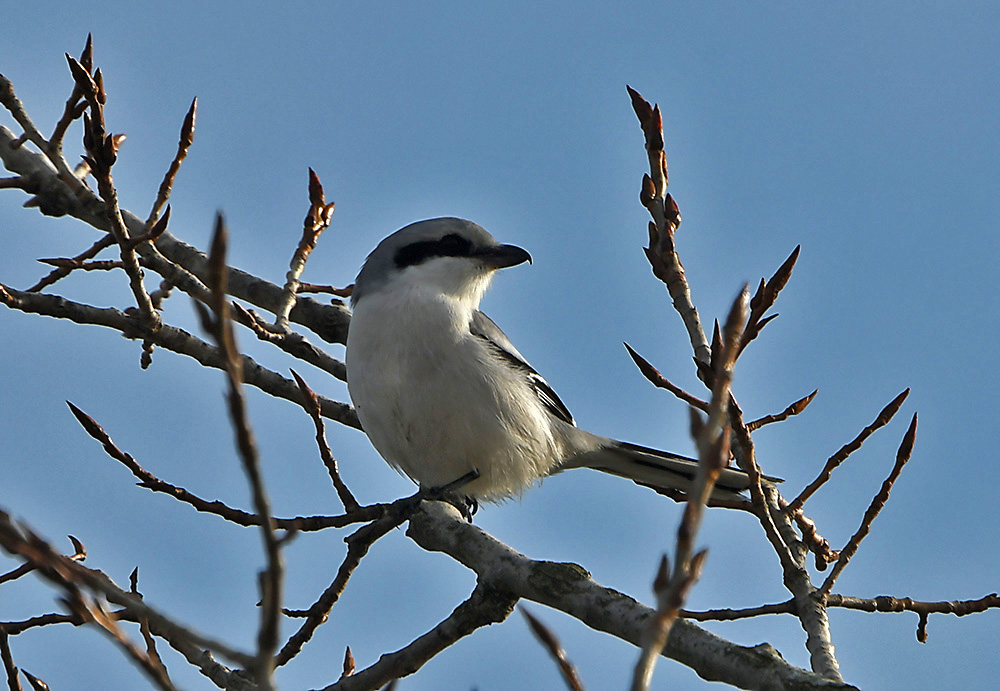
437	403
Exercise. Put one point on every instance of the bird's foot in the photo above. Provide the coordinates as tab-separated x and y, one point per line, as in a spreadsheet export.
466	505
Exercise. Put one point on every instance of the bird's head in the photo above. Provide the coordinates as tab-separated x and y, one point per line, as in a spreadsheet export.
447	255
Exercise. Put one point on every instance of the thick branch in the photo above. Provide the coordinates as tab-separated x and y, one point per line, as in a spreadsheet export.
568	588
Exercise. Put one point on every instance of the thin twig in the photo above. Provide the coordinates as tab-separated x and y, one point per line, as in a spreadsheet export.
358	544
345	292
74	107
780	532
747	456
349	664
93	611
149	481
53	155
786	607
902	456
485	606
79	554
765	297
712	439
173	339
91	252
71	576
836	459
71	264
272	579
887	603
183	144
550	642
793	409
14	628
814	542
311	404
658	380
293	343
156	229
182	264
317	220
101	149
666	219
144	629
13	680
36	683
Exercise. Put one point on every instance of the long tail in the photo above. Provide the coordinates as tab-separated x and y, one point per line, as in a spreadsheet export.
661	470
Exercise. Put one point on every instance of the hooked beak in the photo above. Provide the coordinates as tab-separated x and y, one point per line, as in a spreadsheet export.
502	256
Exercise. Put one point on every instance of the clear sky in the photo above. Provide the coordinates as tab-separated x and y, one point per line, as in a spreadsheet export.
866	132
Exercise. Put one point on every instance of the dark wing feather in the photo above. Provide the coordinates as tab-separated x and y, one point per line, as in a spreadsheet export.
484	328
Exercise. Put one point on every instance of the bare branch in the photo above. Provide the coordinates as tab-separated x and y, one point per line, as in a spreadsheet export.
173	339
485	606
271	582
713	449
62	272
358	545
17	183
786	607
70	576
311	404
551	643
93	612
317	220
101	149
887	603
438	527
793	409
13	680
666	219
79	554
836	459
293	343
183	144
156	229
69	184
658	380
902	456
149	481
813	541
345	292
765	297
780	532
74	107
71	264
170	256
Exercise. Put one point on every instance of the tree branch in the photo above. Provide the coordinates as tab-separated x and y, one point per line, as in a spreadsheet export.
173	339
485	606
438	527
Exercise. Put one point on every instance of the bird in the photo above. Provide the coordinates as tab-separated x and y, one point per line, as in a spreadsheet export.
446	398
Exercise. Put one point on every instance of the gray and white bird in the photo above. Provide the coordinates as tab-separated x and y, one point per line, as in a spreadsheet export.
442	392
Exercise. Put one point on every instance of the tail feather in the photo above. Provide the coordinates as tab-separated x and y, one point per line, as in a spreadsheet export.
661	470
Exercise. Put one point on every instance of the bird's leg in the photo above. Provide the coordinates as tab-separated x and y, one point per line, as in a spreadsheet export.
467	506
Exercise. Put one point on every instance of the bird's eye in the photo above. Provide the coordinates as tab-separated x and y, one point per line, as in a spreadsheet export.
451	245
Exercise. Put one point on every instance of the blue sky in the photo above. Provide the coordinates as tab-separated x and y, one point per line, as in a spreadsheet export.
867	134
